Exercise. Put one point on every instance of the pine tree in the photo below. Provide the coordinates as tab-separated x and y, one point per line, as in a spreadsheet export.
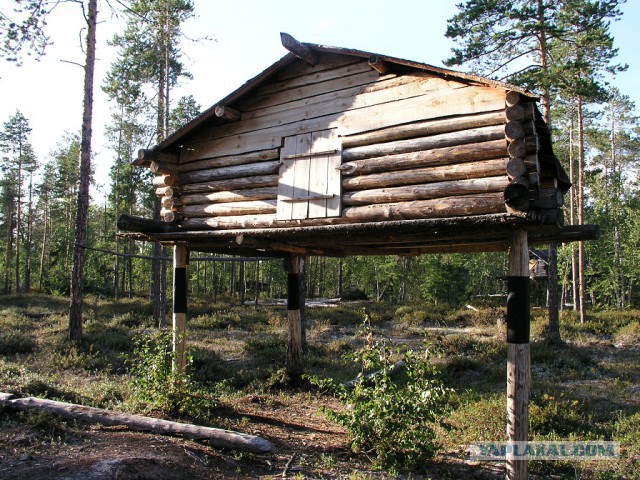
149	60
583	57
75	303
18	159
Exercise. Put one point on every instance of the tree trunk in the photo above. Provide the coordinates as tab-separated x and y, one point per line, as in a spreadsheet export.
27	265
581	252
75	309
9	249
19	214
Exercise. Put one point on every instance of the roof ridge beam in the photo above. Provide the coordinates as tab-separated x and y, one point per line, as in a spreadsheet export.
299	49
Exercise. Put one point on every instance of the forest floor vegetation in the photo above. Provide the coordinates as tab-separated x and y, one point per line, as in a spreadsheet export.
587	388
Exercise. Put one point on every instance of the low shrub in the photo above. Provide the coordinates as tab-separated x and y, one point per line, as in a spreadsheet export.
155	382
16	342
395	419
628	334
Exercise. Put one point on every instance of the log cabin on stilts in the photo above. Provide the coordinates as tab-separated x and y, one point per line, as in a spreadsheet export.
337	152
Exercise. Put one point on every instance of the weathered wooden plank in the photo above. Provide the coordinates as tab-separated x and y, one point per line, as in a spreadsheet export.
326	61
236	171
425	129
383	90
300	210
285	180
250	104
485	168
354	99
318	175
229	209
268	193
226	161
317	77
232	184
474	135
464	101
427	191
429	158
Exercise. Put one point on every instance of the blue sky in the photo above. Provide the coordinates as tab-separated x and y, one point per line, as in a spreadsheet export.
49	92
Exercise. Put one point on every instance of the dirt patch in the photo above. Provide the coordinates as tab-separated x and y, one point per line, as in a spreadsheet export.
307	446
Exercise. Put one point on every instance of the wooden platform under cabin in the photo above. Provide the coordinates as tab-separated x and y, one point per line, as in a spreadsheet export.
332	151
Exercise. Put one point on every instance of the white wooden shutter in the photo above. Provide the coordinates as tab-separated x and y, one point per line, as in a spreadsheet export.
309	182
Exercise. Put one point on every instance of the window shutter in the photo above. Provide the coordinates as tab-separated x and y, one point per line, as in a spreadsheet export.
309	181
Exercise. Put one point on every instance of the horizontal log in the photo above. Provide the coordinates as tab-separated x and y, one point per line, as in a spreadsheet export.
424	192
516	168
512	98
437	156
159	168
516	194
520	147
170	203
268	193
249	170
240	222
425	128
232	184
379	65
520	112
229	209
474	135
146	156
514	131
534	180
229	161
166	191
168	215
486	168
129	223
215	436
480	204
228	113
164	180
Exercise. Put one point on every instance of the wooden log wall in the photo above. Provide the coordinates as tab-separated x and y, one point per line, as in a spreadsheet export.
413	146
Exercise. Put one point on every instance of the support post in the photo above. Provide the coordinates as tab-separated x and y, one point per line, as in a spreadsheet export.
518	352
180	260
294	363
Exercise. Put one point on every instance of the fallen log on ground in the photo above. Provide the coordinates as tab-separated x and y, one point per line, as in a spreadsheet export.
215	436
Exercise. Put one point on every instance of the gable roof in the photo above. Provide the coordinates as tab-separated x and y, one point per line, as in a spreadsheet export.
172	142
